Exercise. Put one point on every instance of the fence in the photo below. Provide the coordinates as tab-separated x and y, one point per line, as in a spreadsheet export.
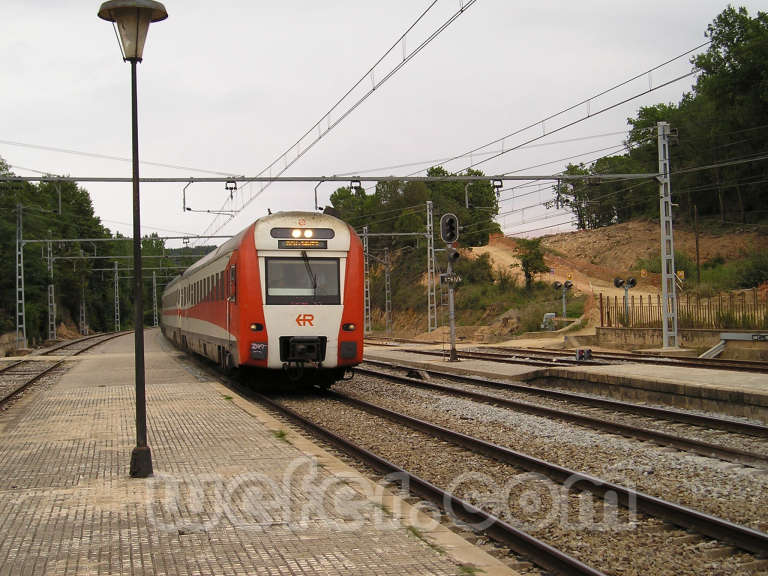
743	310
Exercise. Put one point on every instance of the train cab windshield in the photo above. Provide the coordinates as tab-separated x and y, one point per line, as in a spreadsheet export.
302	280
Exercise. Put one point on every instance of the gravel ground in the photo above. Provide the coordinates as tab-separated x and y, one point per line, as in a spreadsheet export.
18	375
597	533
719	437
7	385
733	492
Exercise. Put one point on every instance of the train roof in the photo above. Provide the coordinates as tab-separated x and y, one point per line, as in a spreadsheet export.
277	218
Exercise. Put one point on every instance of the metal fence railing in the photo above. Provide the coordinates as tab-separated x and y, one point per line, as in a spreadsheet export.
747	309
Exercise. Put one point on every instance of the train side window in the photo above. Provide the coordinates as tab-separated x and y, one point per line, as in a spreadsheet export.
233	283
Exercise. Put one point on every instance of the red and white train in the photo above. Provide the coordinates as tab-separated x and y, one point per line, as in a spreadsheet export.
286	294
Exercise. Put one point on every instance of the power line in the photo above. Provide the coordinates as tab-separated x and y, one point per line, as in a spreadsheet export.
104	157
438	161
587	117
580	104
229	204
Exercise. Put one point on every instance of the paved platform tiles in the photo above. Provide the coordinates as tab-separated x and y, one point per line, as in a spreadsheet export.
230	494
729	392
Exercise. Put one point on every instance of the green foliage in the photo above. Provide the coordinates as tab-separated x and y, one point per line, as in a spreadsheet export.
531	256
71	277
718	122
716	274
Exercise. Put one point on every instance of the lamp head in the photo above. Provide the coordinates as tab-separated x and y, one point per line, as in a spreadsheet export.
132	18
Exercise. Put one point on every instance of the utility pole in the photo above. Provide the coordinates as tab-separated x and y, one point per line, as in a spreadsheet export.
669	297
451	312
154	298
449	233
431	299
117	300
51	294
83	323
387	293
696	231
21	327
366	285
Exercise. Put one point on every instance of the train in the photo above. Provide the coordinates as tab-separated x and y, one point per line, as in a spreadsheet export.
285	296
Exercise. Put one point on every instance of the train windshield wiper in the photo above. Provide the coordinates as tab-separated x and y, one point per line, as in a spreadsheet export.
312	276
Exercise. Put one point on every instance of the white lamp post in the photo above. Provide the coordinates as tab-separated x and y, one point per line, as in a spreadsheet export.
132	19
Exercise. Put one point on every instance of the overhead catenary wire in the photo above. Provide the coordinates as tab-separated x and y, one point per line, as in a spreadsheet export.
579	104
733	162
105	157
229	205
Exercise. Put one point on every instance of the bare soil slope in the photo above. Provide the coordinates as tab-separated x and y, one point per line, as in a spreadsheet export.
594	258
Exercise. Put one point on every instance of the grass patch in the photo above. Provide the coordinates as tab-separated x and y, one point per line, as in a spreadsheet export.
469	569
280	435
418	534
716	274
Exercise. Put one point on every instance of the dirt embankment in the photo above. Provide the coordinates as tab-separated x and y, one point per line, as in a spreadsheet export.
593	258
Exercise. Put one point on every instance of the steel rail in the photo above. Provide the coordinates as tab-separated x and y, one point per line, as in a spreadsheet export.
598	358
39	375
68	343
639	409
696	446
22	387
521	542
711	363
12	365
739	536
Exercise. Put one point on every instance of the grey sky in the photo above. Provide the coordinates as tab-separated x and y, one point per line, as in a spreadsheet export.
227	86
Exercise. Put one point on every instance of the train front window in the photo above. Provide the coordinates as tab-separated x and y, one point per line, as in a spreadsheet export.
302	281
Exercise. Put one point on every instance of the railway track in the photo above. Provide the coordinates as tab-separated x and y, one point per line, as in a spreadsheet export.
561	358
543	549
19	375
602	414
609	357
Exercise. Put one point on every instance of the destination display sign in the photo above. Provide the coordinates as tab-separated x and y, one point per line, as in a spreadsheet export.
302	244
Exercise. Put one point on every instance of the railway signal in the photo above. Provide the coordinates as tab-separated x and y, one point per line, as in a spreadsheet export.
627	285
564	286
449	232
449	228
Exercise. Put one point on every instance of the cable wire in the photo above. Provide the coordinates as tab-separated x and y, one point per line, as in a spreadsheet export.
228	205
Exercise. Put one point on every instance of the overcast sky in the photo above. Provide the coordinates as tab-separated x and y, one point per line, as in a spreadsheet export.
228	86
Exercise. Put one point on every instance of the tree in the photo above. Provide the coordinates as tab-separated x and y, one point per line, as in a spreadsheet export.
531	258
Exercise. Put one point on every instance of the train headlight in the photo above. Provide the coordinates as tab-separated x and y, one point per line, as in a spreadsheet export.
257	327
296	233
349	327
307	233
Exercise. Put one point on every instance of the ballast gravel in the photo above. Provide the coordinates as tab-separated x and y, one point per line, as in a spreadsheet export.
734	492
598	533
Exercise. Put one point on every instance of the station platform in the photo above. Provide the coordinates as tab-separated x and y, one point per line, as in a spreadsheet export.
743	394
234	490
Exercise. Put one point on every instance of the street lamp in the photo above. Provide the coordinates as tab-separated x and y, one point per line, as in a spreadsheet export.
132	19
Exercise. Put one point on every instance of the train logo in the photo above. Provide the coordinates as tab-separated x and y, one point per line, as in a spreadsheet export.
305	319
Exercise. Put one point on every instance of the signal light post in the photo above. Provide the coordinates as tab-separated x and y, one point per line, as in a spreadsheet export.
449	233
627	284
564	286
